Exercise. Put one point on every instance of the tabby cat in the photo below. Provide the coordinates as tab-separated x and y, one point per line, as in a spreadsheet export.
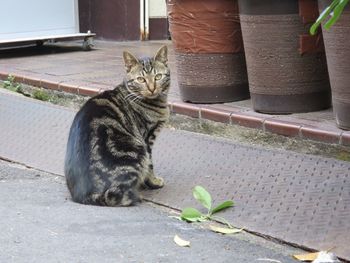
109	150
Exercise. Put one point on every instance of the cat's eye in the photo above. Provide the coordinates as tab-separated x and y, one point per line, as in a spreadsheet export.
158	77
141	79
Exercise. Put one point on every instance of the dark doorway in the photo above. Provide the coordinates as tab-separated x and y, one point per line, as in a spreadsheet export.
111	19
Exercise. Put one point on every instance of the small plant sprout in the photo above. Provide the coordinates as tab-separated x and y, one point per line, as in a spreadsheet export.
11	84
190	214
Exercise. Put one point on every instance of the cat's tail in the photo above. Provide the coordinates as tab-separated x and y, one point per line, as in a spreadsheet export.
114	196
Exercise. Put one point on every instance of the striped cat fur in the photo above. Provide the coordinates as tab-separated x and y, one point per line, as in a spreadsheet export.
109	149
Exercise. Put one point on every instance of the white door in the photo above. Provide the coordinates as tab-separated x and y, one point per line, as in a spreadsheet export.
25	19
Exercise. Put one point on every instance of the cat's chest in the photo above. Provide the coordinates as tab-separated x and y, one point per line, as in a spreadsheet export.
149	118
153	116
150	128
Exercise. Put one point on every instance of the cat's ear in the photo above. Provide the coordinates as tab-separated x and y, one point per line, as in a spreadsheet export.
162	55
129	60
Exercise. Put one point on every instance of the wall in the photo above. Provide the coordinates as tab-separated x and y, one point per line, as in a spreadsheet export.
158	22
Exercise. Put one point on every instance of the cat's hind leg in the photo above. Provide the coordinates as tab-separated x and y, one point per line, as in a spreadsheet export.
113	196
122	191
121	196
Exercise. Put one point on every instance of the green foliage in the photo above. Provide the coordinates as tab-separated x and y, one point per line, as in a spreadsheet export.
190	214
11	84
334	10
222	206
41	95
202	196
344	156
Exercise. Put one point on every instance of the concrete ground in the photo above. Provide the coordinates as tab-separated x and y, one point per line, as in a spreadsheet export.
39	223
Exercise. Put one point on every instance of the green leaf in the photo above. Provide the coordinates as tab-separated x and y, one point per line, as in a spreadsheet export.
222	206
191	214
202	196
325	13
338	10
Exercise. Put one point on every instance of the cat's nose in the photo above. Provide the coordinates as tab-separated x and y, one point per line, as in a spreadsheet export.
152	89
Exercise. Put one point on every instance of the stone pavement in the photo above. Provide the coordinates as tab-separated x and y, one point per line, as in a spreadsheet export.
39	224
297	198
65	67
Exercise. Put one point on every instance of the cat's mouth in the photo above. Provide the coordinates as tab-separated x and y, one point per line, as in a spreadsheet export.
153	96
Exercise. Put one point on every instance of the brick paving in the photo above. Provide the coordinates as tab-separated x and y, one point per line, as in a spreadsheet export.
66	67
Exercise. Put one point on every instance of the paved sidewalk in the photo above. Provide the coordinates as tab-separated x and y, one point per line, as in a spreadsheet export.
65	67
301	199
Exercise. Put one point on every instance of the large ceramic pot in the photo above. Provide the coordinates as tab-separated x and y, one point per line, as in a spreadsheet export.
209	50
287	69
337	43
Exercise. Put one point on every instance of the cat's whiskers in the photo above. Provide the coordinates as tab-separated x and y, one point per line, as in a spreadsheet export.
136	99
131	97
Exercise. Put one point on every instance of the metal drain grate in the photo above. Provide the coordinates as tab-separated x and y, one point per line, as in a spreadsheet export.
298	198
33	133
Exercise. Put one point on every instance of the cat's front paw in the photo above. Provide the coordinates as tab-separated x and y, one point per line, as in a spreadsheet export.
155	182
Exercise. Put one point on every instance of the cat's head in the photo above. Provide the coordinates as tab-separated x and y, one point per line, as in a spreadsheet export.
148	77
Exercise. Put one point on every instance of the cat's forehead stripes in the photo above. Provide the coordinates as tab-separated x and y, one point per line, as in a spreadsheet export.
147	64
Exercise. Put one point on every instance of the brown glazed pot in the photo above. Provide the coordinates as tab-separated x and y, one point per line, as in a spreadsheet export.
209	50
287	69
337	43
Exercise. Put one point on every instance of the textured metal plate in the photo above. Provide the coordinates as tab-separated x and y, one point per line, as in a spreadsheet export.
298	198
33	133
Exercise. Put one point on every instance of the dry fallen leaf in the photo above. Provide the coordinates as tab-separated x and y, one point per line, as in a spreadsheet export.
318	257
225	230
180	242
306	257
